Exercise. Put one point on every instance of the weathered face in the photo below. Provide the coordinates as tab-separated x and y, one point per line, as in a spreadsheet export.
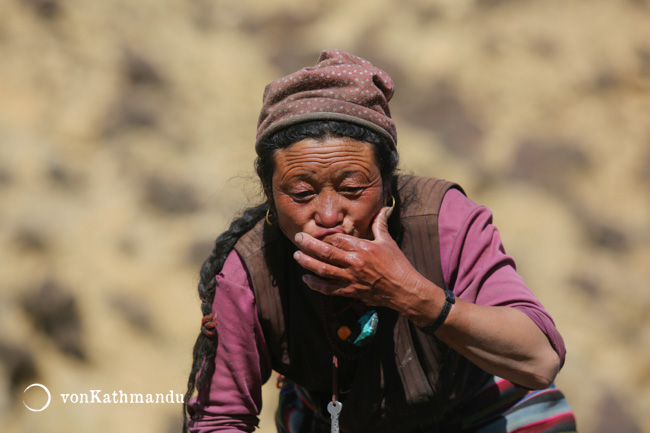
323	187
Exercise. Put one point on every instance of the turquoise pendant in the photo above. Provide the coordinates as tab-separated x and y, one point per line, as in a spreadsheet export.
368	327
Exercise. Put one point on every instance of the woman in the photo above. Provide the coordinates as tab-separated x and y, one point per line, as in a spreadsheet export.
386	302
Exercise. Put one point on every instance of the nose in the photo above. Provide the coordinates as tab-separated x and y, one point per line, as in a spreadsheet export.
328	210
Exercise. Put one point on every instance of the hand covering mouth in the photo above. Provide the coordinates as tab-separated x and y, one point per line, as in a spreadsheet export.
324	233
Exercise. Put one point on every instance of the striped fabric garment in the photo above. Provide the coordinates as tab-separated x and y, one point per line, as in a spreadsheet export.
295	413
499	407
502	407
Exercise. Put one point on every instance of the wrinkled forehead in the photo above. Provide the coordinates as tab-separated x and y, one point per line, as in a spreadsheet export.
326	153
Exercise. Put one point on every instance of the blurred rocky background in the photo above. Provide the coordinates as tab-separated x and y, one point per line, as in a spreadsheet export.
126	146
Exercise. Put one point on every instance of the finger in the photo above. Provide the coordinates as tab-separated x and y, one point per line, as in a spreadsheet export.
324	286
319	267
329	287
346	243
380	224
324	251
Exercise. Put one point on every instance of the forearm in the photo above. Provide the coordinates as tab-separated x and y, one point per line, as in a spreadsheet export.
501	340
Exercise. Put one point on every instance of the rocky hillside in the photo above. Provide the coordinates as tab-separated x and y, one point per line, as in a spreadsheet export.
126	131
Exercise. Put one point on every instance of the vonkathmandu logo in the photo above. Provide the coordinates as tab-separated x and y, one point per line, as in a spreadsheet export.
94	396
97	396
49	397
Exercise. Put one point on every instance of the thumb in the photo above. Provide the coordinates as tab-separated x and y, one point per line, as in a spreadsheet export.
380	224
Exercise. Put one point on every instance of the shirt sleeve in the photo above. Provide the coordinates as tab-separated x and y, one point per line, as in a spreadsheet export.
242	364
478	270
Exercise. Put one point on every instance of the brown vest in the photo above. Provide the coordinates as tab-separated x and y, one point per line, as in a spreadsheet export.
403	379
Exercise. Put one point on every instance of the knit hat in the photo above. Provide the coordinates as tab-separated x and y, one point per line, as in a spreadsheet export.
340	87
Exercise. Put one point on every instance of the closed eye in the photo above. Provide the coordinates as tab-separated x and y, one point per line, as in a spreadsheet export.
352	190
301	195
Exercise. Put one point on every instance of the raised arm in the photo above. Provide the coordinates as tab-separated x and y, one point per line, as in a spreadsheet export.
499	336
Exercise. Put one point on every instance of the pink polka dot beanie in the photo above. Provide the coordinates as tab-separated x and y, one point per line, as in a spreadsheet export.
340	87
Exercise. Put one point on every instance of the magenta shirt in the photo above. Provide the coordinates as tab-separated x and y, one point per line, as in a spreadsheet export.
474	265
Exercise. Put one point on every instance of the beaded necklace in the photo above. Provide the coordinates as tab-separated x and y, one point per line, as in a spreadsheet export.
352	338
355	338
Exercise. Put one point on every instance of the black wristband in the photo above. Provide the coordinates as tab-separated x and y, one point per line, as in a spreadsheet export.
450	299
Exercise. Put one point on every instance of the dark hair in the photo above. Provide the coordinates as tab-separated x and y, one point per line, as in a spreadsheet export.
386	158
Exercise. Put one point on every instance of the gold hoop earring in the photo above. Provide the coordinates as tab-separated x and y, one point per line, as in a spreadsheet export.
268	220
389	212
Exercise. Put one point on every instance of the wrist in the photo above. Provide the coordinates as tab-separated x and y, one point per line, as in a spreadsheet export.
433	326
423	302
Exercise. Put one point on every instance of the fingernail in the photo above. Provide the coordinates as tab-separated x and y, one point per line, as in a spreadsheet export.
389	212
298	238
297	255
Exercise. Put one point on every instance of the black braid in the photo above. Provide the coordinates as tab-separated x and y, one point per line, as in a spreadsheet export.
204	347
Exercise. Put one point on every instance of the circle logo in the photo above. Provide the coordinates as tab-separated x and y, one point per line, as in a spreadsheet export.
49	397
